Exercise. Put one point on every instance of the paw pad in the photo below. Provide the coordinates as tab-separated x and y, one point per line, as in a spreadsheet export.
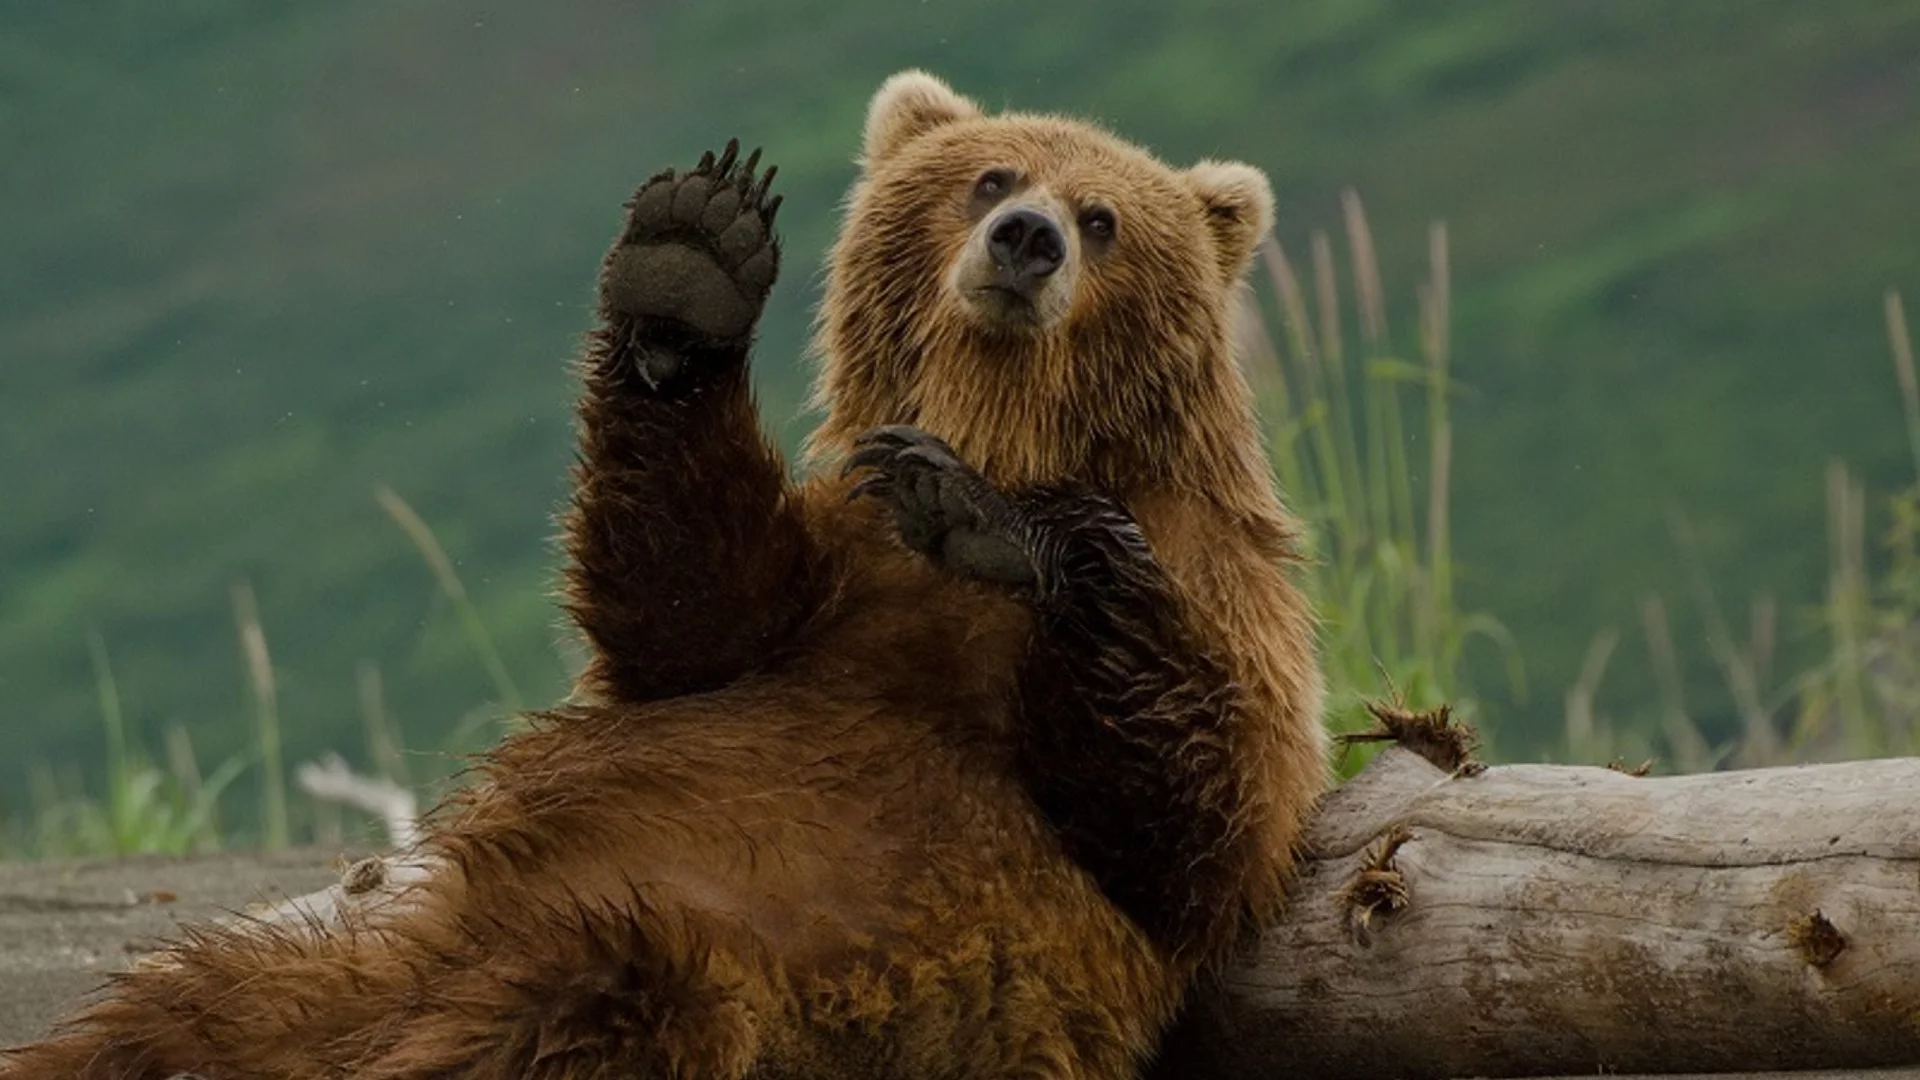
698	248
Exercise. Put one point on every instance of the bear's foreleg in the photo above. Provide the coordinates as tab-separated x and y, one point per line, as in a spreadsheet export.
688	562
1134	739
1137	742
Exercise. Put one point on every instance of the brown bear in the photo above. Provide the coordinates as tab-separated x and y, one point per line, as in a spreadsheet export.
964	757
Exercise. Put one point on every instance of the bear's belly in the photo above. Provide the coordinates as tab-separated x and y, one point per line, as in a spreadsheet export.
878	871
829	832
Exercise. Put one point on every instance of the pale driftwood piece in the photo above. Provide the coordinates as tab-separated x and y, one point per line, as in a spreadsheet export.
1555	920
1558	919
331	779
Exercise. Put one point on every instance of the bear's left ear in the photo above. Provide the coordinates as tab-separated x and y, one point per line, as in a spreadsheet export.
907	105
1239	204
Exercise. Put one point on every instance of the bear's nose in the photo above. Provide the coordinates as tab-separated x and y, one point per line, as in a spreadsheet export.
1027	246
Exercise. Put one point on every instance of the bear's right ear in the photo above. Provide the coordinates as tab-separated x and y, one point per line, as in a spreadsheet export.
907	106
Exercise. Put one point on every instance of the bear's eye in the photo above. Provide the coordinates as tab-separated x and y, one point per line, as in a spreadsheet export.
993	184
1098	223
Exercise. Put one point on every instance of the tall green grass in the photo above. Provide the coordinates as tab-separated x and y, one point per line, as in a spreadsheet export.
175	810
1363	447
1865	697
146	808
1860	698
455	590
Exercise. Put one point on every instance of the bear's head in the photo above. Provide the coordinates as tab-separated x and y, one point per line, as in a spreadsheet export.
1048	298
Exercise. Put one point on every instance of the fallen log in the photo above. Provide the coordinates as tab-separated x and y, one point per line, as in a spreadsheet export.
1535	919
1529	920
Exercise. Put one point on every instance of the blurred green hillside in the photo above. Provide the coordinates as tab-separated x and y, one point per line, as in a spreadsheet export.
262	259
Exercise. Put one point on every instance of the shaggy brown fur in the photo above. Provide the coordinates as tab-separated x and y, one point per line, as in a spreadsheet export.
970	774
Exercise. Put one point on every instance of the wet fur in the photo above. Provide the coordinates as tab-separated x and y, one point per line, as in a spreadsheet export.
824	809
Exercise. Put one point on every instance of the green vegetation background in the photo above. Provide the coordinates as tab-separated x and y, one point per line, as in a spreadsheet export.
263	259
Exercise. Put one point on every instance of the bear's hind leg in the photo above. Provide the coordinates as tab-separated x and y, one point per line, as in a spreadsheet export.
584	993
537	992
689	559
244	1001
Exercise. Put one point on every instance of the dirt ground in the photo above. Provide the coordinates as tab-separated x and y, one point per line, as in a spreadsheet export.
65	925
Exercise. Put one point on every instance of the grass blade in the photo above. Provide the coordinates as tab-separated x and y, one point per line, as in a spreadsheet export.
266	715
455	591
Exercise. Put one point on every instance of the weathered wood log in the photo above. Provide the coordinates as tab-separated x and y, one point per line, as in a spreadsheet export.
1535	919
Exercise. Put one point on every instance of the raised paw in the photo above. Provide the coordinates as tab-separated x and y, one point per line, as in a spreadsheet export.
695	260
941	506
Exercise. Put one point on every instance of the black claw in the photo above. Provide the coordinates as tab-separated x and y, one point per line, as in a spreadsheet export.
913	436
706	163
871	457
773	207
877	484
933	457
899	434
765	182
727	157
752	164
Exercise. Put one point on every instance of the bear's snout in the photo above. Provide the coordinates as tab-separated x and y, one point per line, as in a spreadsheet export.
1026	246
1018	268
